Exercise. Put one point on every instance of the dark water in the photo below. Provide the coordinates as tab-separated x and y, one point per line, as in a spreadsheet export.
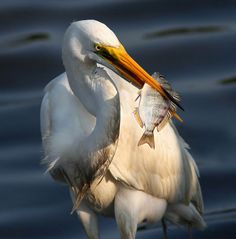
192	42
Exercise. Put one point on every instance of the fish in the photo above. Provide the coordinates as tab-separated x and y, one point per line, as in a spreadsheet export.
154	111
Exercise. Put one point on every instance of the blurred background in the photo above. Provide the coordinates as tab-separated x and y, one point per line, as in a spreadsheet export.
193	43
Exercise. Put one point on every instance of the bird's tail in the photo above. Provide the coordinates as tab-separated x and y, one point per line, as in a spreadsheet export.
147	138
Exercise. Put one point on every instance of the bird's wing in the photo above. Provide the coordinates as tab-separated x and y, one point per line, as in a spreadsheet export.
167	172
45	121
164	172
64	122
195	193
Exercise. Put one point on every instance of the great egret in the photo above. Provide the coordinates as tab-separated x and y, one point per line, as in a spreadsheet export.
90	139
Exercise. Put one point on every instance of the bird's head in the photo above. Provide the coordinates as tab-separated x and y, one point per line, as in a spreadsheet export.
93	40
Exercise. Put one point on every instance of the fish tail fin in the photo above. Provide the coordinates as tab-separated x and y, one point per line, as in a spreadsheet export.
147	138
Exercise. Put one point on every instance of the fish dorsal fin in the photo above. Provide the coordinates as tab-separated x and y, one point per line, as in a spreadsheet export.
166	85
175	95
137	117
172	111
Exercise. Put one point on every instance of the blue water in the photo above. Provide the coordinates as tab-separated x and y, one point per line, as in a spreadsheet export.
193	43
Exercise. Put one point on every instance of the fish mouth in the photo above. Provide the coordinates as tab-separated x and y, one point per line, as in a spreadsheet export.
118	58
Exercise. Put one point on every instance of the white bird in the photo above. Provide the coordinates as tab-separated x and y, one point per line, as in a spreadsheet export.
90	139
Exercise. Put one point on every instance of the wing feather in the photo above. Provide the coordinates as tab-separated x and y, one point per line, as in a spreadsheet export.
167	172
64	122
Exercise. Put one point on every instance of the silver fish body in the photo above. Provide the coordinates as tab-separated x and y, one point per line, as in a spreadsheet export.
152	107
154	111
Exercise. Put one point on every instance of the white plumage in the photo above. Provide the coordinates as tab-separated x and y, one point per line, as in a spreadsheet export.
87	126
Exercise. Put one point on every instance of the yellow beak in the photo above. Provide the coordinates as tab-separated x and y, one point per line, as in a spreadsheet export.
131	70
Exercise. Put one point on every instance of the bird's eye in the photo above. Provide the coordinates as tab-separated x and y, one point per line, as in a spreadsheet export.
98	48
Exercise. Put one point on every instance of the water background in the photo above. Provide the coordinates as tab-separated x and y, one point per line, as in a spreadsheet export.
193	43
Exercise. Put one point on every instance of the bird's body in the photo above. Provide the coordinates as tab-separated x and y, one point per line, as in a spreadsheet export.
90	143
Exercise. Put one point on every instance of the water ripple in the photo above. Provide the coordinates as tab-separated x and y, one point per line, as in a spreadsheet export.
187	31
191	42
229	80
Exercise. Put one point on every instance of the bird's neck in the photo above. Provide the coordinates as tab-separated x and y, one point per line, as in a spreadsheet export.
93	87
98	94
